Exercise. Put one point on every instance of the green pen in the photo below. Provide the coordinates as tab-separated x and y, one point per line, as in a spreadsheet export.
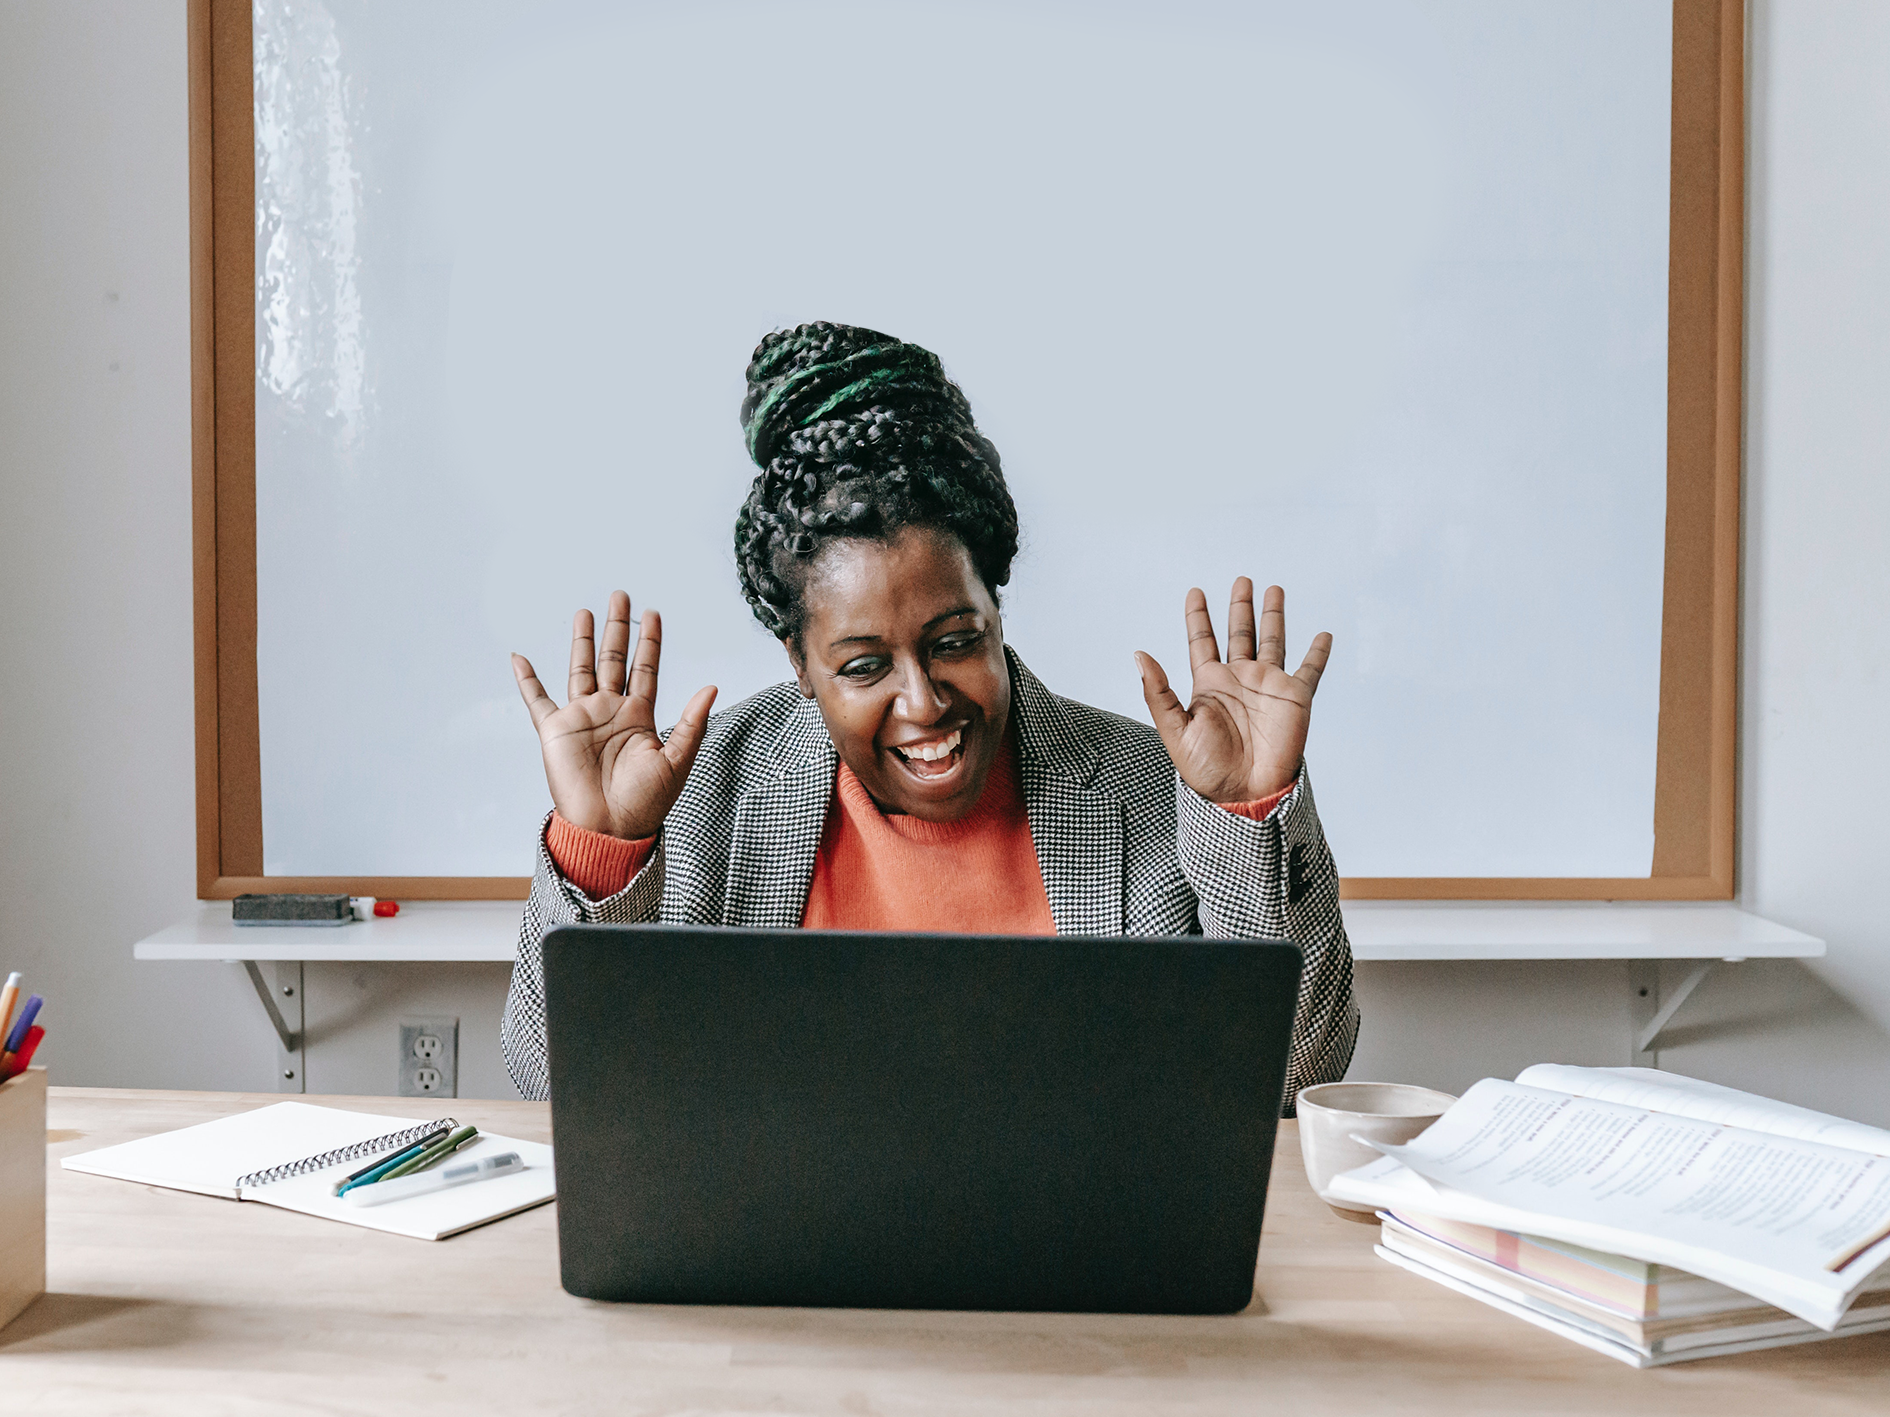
369	1177
432	1154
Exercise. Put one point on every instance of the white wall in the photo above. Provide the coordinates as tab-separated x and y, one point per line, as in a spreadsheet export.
1816	752
96	806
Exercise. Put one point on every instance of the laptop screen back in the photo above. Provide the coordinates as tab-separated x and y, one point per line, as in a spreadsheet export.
914	1121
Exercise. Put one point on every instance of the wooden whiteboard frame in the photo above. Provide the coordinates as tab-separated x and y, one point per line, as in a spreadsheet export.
1696	763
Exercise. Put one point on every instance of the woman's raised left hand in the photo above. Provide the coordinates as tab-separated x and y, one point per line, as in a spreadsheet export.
1242	733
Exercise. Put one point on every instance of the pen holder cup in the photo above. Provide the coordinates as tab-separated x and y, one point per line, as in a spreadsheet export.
22	1191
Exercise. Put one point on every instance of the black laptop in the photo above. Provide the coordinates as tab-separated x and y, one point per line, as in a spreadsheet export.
809	1117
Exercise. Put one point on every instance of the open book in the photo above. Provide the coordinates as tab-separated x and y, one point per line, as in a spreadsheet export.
290	1154
1785	1204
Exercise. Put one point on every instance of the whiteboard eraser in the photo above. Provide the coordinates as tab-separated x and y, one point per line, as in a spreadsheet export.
291	910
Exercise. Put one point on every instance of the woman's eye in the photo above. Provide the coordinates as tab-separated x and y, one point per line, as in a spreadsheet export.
863	668
956	644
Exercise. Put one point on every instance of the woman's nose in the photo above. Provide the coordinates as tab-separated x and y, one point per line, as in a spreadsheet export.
919	699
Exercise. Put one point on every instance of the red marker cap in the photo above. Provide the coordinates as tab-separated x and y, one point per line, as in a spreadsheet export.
386	908
25	1055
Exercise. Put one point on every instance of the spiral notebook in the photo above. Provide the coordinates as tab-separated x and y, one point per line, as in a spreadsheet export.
290	1154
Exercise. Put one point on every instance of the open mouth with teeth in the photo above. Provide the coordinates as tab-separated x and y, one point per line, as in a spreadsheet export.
933	758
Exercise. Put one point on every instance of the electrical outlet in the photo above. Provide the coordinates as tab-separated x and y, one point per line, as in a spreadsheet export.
429	1056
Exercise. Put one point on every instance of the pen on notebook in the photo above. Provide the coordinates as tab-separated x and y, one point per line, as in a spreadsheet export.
421	1183
9	996
444	1147
446	1124
380	1169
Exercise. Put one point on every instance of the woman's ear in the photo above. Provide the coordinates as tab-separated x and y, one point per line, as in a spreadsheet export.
799	663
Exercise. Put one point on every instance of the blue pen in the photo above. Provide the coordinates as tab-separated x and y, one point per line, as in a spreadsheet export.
21	1024
368	1178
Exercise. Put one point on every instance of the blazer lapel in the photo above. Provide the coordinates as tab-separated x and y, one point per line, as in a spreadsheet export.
1077	827
778	826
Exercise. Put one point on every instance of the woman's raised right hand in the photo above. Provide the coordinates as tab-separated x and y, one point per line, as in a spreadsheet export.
608	769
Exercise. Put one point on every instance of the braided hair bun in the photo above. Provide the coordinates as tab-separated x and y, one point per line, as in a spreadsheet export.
858	434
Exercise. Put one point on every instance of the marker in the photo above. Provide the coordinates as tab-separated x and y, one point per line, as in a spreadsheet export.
8	997
421	1183
14	1064
441	1128
22	1023
446	1146
369	1177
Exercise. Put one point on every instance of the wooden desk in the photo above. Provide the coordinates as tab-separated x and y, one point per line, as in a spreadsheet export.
163	1302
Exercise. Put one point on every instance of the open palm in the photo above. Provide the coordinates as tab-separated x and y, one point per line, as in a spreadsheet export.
1242	733
608	768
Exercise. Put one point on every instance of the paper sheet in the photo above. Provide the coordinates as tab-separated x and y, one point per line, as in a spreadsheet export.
1707	1102
1798	1207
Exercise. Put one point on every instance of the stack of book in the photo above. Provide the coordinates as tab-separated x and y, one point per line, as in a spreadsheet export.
1644	1314
1651	1217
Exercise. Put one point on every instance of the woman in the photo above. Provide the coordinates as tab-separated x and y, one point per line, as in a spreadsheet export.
915	775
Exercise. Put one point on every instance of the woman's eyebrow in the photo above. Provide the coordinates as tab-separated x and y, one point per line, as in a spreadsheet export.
880	639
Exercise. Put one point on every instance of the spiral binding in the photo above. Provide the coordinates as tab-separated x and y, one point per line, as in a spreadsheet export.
392	1142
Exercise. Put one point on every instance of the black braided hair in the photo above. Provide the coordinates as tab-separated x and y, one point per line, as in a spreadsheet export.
858	434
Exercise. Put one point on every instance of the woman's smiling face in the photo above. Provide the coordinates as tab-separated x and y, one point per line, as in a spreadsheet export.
902	648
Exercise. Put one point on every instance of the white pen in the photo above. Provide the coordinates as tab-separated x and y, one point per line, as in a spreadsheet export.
421	1182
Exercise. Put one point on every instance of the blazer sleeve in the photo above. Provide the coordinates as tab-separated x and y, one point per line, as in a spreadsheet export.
1275	879
555	901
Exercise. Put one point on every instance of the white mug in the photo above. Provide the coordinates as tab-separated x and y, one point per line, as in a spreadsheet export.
1332	1113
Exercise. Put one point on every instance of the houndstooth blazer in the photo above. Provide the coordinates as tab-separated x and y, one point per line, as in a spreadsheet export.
1126	848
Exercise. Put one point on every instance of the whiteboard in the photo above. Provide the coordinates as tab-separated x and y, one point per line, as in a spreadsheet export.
1367	299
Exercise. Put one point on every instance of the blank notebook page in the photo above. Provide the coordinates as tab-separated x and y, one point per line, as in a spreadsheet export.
209	1158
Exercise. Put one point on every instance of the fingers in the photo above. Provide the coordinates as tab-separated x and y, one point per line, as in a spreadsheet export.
537	702
583	678
1240	640
644	663
1273	628
1171	718
613	655
1314	664
1202	648
686	737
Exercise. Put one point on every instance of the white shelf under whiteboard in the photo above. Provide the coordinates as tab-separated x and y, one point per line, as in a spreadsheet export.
1379	930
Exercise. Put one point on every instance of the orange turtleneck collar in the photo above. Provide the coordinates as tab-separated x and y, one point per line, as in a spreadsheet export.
975	876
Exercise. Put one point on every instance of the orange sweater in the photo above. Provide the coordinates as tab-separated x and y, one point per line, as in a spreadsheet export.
976	876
